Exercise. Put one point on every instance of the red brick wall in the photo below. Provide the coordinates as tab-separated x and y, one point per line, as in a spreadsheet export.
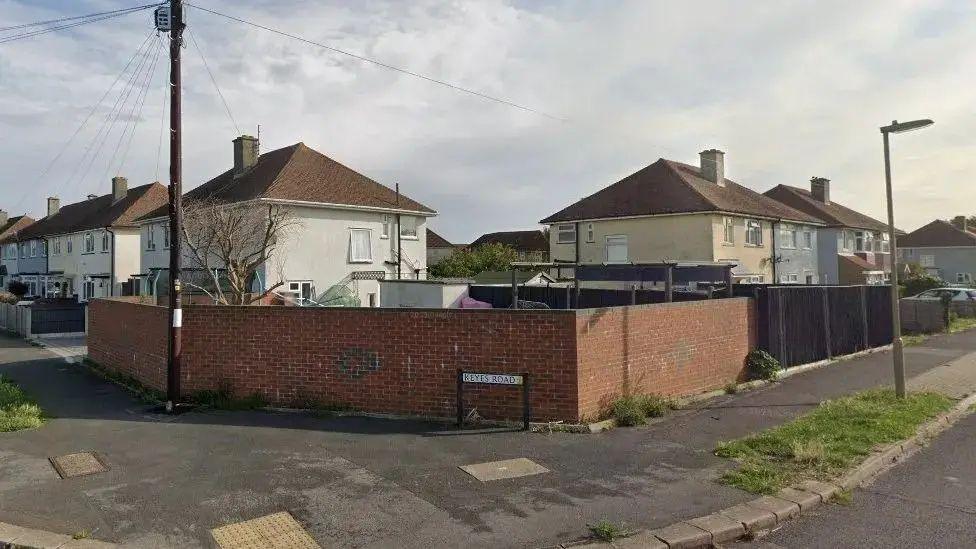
405	361
129	337
668	349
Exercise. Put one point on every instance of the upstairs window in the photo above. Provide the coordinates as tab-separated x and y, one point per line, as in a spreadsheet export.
408	226
754	233
885	243
56	246
68	244
33	248
360	250
387	226
787	235
89	243
166	236
565	234
590	236
808	239
617	249
106	241
728	230
151	237
926	260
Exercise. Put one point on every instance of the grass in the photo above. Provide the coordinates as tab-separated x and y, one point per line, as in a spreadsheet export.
843	497
956	325
606	531
224	399
828	440
144	393
635	409
81	534
731	388
17	410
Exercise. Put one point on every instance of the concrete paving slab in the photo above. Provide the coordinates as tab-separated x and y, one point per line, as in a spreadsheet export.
784	510
720	527
508	468
78	464
825	490
682	536
277	530
39	539
752	518
643	540
955	379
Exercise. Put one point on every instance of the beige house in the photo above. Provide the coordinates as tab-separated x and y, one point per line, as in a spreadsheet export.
670	211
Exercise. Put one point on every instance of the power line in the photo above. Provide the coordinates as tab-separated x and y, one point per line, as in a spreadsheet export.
214	80
72	25
382	64
76	17
142	102
162	123
84	122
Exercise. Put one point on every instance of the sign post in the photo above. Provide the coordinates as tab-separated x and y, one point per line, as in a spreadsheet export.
493	379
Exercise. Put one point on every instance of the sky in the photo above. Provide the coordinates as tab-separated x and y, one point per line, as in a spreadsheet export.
789	90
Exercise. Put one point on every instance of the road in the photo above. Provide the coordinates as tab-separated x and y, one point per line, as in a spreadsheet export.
927	501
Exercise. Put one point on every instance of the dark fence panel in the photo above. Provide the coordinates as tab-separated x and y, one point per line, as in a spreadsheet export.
803	324
57	318
557	297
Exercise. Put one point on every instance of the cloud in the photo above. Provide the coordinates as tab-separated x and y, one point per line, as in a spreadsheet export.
788	90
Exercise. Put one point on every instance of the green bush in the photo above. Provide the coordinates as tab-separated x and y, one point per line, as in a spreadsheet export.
464	262
916	283
635	409
762	365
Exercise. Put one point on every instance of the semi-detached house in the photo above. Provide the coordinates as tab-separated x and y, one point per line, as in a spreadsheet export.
671	211
9	251
352	231
86	249
943	250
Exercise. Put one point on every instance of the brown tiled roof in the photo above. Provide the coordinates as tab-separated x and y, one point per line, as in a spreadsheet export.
435	240
667	187
301	173
99	212
833	214
13	225
520	240
860	262
937	234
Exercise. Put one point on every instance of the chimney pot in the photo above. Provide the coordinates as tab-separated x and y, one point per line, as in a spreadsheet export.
53	205
246	152
713	166
120	187
820	189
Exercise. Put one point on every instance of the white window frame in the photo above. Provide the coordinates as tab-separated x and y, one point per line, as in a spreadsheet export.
791	278
787	237
807	239
620	240
56	248
754	236
368	258
387	226
68	247
590	234
166	236
885	243
33	248
728	231
295	286
964	278
926	260
89	243
106	242
411	232
566	234
150	237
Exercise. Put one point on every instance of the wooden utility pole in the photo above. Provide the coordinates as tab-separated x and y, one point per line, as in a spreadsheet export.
175	207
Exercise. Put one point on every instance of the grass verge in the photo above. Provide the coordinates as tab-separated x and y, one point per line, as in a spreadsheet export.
955	326
17	410
828	440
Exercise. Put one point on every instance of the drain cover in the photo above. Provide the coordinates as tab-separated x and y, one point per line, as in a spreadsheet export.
80	464
277	530
509	468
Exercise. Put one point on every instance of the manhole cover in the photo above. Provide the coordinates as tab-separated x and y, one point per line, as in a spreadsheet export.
509	468
279	530
80	464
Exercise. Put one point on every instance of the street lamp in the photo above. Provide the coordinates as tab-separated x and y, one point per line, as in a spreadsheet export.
897	347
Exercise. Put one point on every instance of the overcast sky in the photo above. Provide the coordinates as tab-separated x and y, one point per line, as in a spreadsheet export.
788	90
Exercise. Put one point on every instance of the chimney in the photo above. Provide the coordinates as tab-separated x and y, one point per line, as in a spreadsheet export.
246	152
713	166
120	187
820	189
4	217
53	205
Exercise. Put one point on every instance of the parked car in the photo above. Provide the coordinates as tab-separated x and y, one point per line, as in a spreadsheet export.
955	294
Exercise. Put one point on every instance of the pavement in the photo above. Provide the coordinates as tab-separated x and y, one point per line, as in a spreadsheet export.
361	482
926	501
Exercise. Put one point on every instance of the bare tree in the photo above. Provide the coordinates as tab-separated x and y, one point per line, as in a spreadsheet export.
229	242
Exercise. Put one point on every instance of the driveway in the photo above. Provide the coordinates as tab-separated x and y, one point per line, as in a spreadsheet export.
357	482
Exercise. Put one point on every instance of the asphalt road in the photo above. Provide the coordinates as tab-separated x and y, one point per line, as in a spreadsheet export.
927	501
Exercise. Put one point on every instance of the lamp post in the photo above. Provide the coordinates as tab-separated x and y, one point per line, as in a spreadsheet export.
897	346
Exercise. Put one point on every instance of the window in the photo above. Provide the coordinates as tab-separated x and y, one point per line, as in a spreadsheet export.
964	278
807	239
68	244
753	232
590	237
33	248
151	237
926	260
789	278
387	226
89	243
166	236
105	241
360	250
728	231
847	242
56	246
408	227
811	279
88	288
787	236
302	289
565	234
617	248
885	243
24	250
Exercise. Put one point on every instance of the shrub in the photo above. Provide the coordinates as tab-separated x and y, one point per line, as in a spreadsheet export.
652	405
17	288
7	297
762	365
627	411
916	283
606	531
